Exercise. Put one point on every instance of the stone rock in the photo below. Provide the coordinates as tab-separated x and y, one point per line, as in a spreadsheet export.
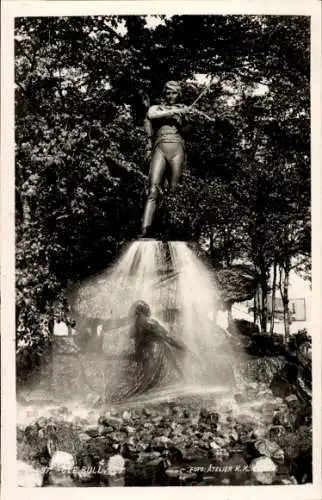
173	472
276	431
161	442
283	418
251	390
83	437
246	420
116	481
102	420
208	417
103	429
269	407
63	410
80	422
157	419
126	415
28	476
93	399
219	454
116	465
93	432
278	456
233	435
59	479
41	433
210	480
119	437
147	457
62	461
31	434
240	397
279	401
290	480
130	430
20	434
267	448
206	436
222	441
32	413
265	394
292	401
186	477
146	474
92	417
243	437
84	474
142	445
42	422
250	482
192	454
114	421
149	426
259	432
214	445
285	481
263	470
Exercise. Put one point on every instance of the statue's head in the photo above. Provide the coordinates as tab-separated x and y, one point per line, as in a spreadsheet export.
172	91
140	309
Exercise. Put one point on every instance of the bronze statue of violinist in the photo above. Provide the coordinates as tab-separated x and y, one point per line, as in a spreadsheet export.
164	124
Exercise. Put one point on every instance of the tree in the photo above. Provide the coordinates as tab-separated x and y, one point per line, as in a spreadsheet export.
82	87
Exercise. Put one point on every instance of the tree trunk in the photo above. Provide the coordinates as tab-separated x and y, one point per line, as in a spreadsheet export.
284	286
211	242
286	302
229	314
227	248
255	306
263	304
273	296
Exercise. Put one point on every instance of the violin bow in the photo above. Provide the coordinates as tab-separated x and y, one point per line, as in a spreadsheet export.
199	97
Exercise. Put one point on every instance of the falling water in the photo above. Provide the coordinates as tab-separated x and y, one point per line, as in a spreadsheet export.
198	298
133	277
182	295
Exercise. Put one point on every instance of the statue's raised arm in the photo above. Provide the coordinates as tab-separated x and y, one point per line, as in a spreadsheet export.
158	111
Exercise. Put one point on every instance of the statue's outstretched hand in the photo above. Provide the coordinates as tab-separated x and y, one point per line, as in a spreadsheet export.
197	112
181	110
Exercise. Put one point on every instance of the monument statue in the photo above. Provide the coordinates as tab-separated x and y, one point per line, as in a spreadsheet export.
163	125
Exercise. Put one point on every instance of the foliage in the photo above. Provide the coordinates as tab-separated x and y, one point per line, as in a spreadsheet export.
244	327
82	85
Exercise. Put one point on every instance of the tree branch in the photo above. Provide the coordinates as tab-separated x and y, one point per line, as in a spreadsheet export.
300	263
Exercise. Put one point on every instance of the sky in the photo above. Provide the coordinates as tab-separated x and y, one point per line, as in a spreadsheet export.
260	89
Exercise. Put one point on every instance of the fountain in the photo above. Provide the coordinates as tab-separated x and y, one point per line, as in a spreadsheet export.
178	290
183	298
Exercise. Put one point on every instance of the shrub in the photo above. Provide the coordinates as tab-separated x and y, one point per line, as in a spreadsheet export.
244	327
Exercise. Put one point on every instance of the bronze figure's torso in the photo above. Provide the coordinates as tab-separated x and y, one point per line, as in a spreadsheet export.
167	130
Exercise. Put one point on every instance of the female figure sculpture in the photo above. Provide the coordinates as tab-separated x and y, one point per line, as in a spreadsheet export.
156	357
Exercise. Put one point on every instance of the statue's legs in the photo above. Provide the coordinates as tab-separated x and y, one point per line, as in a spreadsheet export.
157	171
176	162
172	154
